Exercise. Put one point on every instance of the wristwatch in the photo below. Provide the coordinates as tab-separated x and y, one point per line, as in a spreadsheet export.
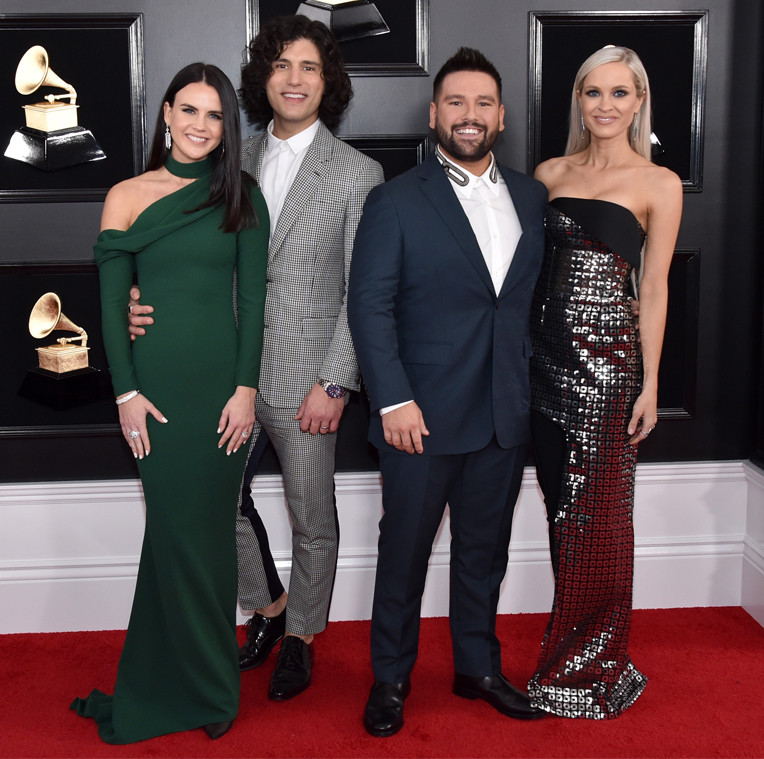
332	390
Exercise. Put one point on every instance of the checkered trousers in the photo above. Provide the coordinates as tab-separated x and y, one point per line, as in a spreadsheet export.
307	462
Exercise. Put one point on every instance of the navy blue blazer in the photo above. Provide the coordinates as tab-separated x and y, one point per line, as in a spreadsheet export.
426	321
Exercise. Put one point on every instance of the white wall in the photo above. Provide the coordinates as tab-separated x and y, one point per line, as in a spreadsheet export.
69	551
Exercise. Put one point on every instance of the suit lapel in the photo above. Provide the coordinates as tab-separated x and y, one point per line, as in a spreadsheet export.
525	214
312	171
437	187
252	160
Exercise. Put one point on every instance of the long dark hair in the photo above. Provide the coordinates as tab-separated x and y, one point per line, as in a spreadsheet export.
229	185
269	44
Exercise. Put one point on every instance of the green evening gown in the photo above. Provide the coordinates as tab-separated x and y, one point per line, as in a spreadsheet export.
179	666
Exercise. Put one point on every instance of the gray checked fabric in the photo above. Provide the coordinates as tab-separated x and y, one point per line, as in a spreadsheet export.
306	337
306	330
307	462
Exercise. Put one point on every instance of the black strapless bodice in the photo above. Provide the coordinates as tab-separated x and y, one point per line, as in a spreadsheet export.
612	224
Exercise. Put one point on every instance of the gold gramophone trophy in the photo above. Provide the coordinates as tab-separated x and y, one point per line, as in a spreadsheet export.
63	356
63	378
51	139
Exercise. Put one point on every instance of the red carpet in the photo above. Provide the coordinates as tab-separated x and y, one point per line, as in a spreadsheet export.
704	698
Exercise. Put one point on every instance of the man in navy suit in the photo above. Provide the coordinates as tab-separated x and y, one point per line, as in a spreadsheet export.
445	261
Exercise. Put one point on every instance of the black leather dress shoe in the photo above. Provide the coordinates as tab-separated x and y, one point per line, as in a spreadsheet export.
293	668
263	633
218	729
499	693
383	715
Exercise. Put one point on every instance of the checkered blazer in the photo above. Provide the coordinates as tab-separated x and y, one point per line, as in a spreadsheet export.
306	330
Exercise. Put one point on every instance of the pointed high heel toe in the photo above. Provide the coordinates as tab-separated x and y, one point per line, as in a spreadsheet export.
217	730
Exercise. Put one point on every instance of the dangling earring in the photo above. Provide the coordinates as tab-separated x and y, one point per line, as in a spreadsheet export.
635	128
583	126
222	147
167	137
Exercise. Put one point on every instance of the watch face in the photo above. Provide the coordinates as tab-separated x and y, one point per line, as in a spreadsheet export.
334	391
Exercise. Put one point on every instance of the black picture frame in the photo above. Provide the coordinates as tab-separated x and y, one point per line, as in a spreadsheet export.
76	283
678	370
101	55
672	46
395	153
402	52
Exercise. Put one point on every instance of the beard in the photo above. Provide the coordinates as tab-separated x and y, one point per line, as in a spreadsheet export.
465	150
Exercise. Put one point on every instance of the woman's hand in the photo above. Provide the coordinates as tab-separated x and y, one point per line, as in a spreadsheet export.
238	419
132	418
644	416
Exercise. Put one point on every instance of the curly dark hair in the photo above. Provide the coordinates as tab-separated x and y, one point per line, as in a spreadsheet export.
269	44
465	59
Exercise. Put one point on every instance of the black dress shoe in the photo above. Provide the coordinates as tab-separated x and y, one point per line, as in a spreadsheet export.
293	668
263	633
218	729
499	693
383	715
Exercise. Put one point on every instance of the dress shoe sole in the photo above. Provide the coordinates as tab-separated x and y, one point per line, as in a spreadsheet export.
261	661
514	713
288	694
385	732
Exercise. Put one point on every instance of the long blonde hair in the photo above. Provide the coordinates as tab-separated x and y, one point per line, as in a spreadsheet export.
640	129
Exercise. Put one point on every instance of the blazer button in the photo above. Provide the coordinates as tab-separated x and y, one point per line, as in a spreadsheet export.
498	305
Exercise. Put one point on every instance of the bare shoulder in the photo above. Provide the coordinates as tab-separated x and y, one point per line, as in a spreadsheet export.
664	182
127	199
661	190
552	170
116	212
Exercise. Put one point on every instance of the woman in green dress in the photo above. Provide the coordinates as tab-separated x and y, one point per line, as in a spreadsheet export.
194	229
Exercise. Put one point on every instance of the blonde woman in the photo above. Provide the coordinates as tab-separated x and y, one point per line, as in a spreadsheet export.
594	384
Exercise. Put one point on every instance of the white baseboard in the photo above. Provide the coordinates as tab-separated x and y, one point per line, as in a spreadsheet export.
753	549
69	551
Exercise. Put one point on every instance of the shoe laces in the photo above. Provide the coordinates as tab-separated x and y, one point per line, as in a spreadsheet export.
290	654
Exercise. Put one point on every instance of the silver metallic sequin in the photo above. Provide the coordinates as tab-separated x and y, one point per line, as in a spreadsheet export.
586	373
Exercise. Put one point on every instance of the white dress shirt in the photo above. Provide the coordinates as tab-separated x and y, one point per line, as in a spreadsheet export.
493	218
281	162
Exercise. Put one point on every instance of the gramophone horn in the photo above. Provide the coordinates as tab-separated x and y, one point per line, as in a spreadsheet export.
46	316
34	72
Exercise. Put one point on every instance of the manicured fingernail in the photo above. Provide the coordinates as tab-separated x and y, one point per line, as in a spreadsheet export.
164	420
228	453
219	430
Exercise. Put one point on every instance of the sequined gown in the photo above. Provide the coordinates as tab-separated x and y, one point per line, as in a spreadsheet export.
179	665
586	373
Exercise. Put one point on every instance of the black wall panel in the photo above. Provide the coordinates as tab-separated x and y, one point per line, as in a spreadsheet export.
713	370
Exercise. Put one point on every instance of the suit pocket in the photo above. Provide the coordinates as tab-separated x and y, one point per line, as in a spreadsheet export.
318	329
420	352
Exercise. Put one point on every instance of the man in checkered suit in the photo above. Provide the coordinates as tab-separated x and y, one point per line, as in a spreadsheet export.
295	86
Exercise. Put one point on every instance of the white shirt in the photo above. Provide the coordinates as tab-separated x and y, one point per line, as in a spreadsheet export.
281	162
494	221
